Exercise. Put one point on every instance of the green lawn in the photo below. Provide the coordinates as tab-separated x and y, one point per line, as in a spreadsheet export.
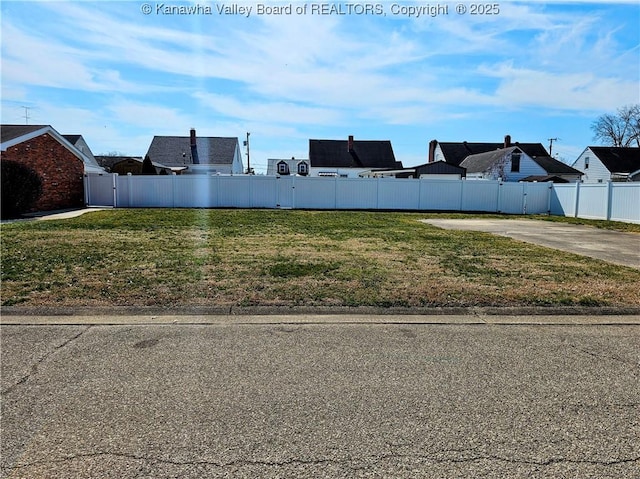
169	257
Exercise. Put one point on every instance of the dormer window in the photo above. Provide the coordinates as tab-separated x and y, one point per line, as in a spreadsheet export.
283	168
303	168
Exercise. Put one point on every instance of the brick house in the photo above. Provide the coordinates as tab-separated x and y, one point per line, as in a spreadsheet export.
59	164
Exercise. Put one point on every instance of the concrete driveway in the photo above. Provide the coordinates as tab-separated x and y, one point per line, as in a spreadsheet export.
611	246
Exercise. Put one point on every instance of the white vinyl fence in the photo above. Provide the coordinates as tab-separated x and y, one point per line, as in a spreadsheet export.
599	201
295	192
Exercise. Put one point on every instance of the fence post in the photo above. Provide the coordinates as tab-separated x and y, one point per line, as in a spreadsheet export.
115	189
577	204
525	192
609	199
85	182
499	193
173	190
293	192
130	189
550	191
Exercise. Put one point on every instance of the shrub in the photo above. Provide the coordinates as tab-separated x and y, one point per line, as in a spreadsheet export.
21	188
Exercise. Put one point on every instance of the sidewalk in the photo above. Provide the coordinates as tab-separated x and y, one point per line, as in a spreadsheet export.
170	319
55	214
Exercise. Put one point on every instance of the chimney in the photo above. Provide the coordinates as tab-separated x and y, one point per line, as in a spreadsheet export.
194	147
507	141
432	151
350	143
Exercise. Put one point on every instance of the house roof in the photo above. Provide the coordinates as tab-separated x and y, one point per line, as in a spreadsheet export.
11	132
176	150
109	161
456	152
545	178
83	147
555	167
365	154
616	159
481	162
440	167
15	134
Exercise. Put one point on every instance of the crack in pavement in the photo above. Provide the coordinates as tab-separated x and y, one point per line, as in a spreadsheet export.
346	461
604	356
47	355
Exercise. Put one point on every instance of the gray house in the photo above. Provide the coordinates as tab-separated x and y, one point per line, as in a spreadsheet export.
198	155
91	165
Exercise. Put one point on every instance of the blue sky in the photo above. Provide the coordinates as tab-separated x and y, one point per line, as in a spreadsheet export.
535	70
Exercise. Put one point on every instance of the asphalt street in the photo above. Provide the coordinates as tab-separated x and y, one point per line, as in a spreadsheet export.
307	399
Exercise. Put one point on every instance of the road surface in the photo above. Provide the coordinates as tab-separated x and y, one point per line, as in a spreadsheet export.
306	399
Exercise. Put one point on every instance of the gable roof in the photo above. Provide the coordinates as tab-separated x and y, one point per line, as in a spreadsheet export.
555	167
481	162
79	142
456	152
15	134
616	159
440	168
365	154
107	161
176	150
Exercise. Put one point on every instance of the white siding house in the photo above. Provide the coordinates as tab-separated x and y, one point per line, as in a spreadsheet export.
507	164
602	163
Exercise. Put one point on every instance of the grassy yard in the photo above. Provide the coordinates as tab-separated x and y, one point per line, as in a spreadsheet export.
268	257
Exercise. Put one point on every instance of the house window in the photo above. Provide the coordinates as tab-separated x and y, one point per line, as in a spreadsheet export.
303	168
283	168
586	163
515	162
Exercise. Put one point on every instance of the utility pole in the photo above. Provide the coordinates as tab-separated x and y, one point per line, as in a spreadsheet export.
26	114
551	140
246	143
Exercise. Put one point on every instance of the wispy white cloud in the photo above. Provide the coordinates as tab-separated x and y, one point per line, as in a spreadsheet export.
569	91
120	73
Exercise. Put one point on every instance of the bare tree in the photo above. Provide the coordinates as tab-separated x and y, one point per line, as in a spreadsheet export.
622	129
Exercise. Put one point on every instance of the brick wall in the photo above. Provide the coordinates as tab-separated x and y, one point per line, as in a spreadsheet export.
60	171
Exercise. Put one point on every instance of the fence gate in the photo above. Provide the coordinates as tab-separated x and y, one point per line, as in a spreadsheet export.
285	188
100	190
